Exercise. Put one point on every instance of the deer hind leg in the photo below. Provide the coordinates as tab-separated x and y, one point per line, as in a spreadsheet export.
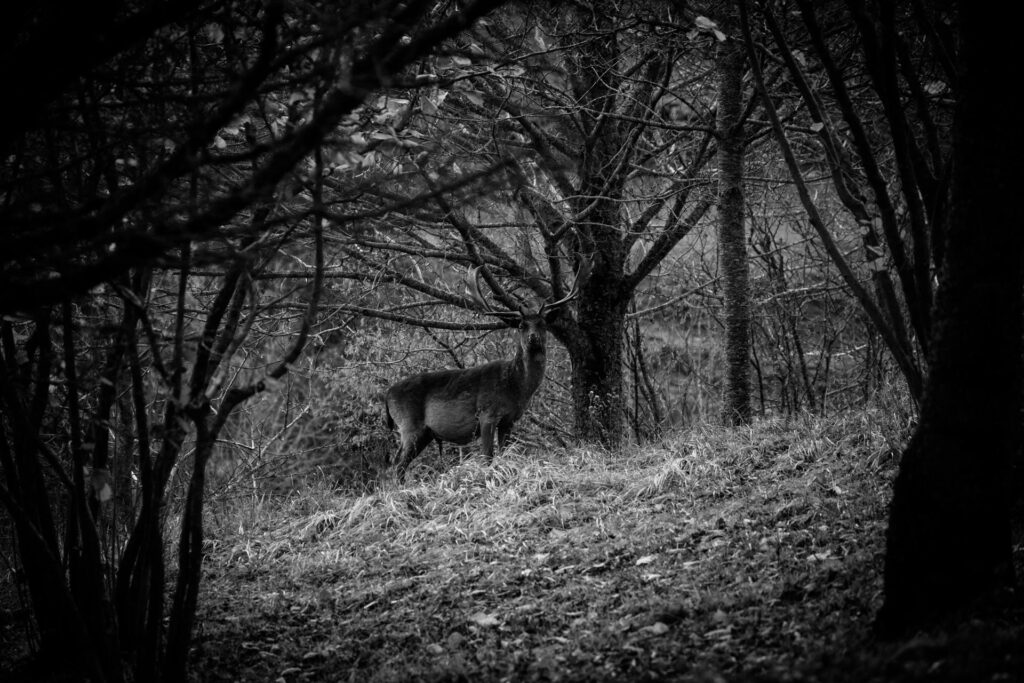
504	432
412	445
487	440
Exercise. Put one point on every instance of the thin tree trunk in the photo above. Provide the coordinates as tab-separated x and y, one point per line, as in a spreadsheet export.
878	313
732	239
64	635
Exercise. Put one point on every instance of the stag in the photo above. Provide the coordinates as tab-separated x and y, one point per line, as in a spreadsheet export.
459	404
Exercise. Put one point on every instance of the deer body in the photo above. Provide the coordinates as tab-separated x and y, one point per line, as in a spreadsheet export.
457	405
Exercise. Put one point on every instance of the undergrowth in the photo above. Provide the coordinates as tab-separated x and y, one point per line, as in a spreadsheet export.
739	554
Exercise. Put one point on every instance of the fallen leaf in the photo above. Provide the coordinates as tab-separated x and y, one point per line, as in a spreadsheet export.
657	628
485	620
705	23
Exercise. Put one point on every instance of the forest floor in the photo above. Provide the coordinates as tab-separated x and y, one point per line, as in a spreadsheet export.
717	555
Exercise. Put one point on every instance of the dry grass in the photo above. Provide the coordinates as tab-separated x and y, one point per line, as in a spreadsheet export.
716	555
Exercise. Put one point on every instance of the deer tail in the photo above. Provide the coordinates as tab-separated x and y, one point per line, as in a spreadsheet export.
388	420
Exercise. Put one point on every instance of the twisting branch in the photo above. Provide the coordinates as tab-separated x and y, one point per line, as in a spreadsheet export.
909	368
854	201
875	177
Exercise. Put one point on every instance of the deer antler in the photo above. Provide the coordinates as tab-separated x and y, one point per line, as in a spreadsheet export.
586	265
473	285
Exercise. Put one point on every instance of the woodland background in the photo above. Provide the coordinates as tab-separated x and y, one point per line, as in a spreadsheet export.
227	226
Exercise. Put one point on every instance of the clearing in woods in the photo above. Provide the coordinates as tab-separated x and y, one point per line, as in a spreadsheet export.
744	554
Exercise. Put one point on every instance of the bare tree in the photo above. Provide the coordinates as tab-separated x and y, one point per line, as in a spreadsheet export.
885	147
598	117
147	183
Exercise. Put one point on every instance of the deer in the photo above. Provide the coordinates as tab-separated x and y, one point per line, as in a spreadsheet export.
458	405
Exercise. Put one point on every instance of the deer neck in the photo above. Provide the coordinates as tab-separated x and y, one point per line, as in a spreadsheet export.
528	367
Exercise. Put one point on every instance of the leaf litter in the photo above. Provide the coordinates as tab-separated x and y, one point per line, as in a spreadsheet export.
715	555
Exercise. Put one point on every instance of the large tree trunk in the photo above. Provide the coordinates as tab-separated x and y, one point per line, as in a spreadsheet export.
597	351
732	238
597	362
949	526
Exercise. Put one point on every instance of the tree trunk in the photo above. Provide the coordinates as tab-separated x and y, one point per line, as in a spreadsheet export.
949	526
597	362
597	349
732	239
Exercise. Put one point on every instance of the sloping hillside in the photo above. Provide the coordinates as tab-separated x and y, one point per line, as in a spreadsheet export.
716	555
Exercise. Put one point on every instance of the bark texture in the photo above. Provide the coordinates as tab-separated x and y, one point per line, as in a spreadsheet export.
732	238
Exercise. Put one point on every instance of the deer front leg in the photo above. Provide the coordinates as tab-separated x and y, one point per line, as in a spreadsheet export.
504	432
487	440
